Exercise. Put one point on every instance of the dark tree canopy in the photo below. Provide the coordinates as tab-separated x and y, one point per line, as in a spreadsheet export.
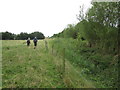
99	26
22	36
7	36
39	35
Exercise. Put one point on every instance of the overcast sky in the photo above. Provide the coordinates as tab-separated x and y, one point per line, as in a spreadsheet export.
46	16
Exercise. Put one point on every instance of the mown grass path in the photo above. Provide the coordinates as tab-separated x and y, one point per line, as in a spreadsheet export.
25	67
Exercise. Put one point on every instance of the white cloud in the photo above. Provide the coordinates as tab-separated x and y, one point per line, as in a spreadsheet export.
46	16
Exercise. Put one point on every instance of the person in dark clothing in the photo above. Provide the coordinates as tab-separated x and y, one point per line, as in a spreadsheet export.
28	42
35	42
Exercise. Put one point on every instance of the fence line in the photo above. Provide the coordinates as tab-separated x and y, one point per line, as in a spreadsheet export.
55	53
63	61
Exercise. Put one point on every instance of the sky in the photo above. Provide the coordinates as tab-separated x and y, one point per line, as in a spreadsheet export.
46	16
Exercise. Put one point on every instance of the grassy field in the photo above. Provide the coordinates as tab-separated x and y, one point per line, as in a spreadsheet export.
95	64
25	67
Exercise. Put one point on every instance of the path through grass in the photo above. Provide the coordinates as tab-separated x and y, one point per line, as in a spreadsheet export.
37	68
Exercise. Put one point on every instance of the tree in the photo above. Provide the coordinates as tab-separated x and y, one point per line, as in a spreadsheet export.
7	36
100	26
39	35
81	15
22	36
106	13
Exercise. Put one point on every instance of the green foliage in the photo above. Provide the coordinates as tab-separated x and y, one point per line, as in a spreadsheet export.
39	35
98	28
69	32
21	36
96	46
101	68
7	36
106	13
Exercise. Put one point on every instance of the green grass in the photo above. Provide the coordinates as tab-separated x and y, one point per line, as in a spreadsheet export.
96	65
25	67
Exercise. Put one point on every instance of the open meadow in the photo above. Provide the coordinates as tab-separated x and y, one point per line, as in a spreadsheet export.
25	67
78	43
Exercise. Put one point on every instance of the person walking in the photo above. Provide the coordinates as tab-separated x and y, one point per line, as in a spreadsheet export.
28	42
35	42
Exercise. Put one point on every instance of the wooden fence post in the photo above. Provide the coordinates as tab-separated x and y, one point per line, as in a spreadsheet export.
52	48
46	45
63	60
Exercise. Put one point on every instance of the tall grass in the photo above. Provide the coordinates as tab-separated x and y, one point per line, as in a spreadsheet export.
100	67
25	67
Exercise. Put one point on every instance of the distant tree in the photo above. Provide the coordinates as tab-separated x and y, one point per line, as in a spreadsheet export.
69	32
7	36
22	36
37	34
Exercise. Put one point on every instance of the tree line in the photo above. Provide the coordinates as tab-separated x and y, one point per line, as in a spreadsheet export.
99	26
95	42
22	36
